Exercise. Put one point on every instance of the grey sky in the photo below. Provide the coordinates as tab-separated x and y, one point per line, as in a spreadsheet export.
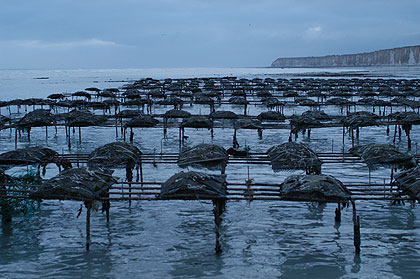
196	33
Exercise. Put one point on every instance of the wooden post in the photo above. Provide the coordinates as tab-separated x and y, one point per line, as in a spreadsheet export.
392	176
217	211
69	138
338	213
141	174
408	140
395	133
165	127
356	229
106	205
116	126
88	205
129	175
260	131
343	138
182	135
235	141
131	135
16	138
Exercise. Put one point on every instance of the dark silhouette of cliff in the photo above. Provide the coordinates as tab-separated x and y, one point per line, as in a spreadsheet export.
409	55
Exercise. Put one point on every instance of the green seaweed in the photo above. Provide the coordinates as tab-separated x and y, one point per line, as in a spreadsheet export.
20	204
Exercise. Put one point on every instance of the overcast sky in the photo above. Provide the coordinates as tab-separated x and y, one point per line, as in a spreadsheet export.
62	34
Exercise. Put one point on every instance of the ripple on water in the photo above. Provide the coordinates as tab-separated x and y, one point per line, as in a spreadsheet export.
176	238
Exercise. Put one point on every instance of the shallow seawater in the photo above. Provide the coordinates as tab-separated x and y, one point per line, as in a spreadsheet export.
176	239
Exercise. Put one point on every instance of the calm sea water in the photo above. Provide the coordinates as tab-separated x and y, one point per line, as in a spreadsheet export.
175	239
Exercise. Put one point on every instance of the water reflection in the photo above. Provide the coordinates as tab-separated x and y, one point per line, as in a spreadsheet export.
176	239
316	210
313	265
197	266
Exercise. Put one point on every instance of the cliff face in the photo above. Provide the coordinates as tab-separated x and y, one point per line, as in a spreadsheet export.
396	56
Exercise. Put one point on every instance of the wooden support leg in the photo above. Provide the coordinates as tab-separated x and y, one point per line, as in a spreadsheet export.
116	127
182	135
408	141
235	141
16	138
141	175
129	175
338	213
108	206
356	229
69	143
392	177
88	205
165	128
217	210
395	133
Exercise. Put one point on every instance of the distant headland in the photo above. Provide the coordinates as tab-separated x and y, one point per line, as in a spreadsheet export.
409	55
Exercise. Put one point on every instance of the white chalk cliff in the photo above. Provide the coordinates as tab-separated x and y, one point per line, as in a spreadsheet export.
409	55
